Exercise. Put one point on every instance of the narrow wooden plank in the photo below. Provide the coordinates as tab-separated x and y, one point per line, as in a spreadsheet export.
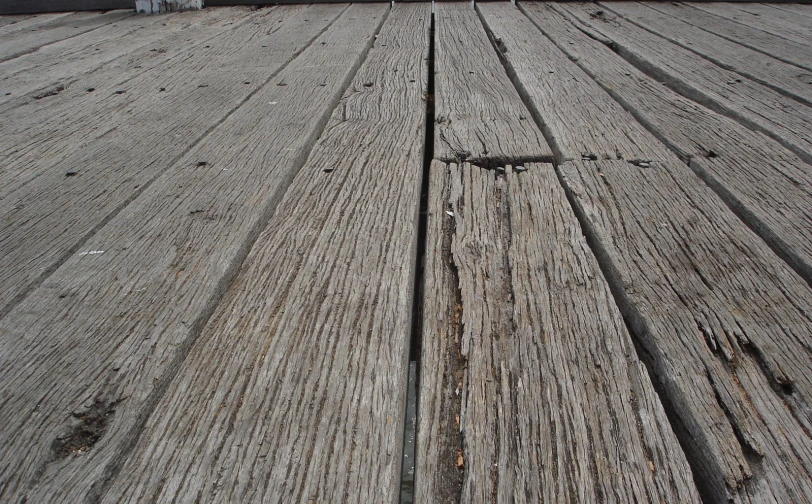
799	9
305	399
764	18
783	77
531	390
752	104
11	20
724	325
85	358
124	141
59	64
21	42
783	49
479	115
31	22
767	185
34	6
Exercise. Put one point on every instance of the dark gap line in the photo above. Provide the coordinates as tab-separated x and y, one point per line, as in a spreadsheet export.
780	247
50	270
732	20
702	466
741	43
490	163
223	285
718	63
409	467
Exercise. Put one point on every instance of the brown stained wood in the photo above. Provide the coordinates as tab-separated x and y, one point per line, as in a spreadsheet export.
85	357
62	63
295	392
479	115
134	137
725	326
25	41
764	18
782	48
767	185
754	105
783	77
531	390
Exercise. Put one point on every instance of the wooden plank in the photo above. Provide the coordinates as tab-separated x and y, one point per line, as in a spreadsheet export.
9	21
784	78
305	399
752	104
783	49
34	6
531	390
766	185
799	9
85	358
22	42
722	323
764	18
124	141
30	22
479	115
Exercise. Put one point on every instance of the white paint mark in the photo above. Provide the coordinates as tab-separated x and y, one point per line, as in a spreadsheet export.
450	213
92	252
272	102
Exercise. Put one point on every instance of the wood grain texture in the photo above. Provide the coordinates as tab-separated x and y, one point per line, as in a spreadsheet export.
479	116
86	356
768	186
117	148
62	63
531	390
799	9
21	42
783	77
781	48
724	325
764	18
754	105
295	392
28	22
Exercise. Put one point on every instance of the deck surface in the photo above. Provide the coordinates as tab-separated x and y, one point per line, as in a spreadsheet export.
228	235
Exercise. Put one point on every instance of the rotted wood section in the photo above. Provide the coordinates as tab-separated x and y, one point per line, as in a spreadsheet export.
531	389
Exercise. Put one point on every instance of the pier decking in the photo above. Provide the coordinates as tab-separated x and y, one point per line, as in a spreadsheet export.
227	233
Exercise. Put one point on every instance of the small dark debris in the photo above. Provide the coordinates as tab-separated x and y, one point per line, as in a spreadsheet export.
195	212
202	85
281	84
711	154
367	84
7	94
162	89
246	82
206	46
51	92
411	80
328	169
91	89
589	157
70	173
202	163
500	44
121	91
88	427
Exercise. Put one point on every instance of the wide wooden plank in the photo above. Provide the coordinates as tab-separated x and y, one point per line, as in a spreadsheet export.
86	356
59	64
781	48
754	105
766	185
13	19
129	139
29	22
764	18
783	77
305	399
724	325
479	115
21	42
531	390
799	9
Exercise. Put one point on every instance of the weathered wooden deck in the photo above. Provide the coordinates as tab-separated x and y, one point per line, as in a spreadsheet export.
225	235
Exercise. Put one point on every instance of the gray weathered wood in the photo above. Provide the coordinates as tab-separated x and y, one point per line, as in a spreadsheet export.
304	400
783	77
765	18
724	324
164	6
479	116
800	9
21	42
752	104
28	22
531	389
85	357
117	144
783	49
767	185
